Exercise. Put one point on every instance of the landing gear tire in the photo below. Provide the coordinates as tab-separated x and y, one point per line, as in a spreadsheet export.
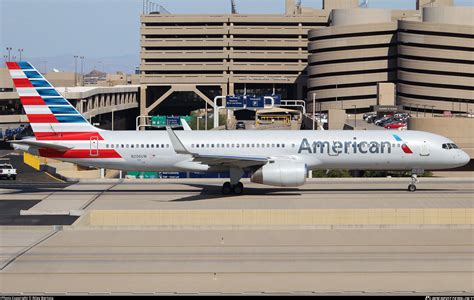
226	188
414	181
411	187
238	189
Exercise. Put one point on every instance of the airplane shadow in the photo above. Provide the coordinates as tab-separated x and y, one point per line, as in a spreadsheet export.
208	191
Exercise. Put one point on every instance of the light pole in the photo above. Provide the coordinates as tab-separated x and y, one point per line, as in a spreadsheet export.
314	109
82	70
113	110
75	70
198	120
205	123
9	49
5	57
355	116
20	51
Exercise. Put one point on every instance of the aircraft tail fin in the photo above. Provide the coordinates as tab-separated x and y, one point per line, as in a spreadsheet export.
48	112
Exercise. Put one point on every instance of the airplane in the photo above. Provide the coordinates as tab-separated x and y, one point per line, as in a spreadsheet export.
276	158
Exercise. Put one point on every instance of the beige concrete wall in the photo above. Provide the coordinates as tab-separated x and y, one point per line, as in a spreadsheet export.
332	4
336	119
433	3
353	16
460	130
5	79
279	217
386	93
460	15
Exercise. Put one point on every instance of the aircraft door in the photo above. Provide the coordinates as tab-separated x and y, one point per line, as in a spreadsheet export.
425	150
94	146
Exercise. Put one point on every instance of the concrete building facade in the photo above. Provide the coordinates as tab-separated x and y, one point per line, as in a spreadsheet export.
428	54
436	61
348	59
197	57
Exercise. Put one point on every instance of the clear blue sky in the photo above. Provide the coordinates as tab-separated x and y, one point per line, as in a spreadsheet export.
98	28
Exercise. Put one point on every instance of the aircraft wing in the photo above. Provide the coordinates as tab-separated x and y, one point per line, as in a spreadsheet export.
38	144
231	161
216	160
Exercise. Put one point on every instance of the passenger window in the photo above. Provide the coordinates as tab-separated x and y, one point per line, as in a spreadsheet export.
131	146
273	145
268	145
202	145
278	145
217	145
197	145
143	146
248	145
228	145
293	145
167	145
283	145
106	145
207	145
223	145
212	145
162	145
152	145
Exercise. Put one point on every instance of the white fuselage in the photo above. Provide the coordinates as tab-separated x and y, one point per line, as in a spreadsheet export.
363	150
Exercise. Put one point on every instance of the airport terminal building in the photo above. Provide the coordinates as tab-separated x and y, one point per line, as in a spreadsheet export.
342	55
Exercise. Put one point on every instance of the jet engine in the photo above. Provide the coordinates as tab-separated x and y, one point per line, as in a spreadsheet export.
283	173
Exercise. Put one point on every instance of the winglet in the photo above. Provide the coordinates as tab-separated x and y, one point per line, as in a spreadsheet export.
176	143
185	125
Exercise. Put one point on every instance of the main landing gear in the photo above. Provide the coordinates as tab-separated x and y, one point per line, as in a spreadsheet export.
234	186
228	188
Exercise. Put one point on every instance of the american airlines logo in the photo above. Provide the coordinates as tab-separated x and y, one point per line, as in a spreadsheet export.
350	147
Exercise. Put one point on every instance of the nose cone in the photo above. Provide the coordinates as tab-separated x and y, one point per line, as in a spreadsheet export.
463	158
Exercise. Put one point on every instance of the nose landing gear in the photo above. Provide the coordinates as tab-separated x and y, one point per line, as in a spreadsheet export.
414	181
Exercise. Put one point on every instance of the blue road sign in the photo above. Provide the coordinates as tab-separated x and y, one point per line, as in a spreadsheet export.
235	101
277	99
255	101
173	121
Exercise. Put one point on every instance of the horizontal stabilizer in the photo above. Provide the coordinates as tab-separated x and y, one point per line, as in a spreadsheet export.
38	144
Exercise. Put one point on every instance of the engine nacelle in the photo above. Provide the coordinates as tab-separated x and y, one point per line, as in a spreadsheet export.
283	173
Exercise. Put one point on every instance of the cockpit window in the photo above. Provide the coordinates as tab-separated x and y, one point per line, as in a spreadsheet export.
449	146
